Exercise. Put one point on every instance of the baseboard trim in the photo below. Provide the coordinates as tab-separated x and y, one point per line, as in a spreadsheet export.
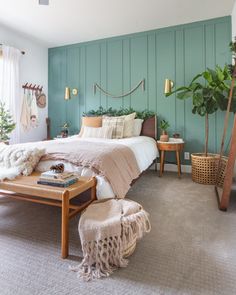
173	168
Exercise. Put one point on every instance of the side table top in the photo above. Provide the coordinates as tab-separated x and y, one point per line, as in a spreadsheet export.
172	141
170	146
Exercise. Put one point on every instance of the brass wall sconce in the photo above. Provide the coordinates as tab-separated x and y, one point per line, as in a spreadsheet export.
68	93
169	84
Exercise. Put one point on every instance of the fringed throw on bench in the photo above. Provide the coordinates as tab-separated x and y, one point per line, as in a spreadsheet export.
108	232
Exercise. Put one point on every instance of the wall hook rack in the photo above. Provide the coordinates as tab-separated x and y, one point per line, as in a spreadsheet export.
34	87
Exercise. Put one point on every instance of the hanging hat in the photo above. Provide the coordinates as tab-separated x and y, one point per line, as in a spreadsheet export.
41	100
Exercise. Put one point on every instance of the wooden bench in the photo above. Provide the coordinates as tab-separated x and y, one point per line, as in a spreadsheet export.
26	188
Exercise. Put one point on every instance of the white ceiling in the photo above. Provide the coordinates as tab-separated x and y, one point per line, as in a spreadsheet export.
71	21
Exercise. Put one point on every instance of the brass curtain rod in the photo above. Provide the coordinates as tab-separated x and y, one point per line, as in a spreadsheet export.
22	52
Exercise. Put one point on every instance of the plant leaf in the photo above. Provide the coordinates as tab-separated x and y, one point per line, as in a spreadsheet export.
197	99
207	75
185	94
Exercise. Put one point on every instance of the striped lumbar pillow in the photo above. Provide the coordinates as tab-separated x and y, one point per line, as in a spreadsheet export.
117	123
100	132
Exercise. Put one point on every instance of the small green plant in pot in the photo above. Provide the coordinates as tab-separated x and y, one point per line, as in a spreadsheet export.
164	125
209	92
6	124
65	130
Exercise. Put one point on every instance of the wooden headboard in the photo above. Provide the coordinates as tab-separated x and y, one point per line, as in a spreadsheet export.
149	127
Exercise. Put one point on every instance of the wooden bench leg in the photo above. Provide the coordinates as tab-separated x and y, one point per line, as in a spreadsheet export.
65	226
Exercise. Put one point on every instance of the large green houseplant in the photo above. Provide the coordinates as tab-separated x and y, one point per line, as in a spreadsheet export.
209	92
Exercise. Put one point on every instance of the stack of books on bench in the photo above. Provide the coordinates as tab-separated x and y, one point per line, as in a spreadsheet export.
63	179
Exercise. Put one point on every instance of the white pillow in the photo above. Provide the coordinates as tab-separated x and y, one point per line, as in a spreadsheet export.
129	125
97	132
137	127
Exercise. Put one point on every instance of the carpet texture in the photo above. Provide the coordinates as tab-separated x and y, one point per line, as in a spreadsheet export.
190	250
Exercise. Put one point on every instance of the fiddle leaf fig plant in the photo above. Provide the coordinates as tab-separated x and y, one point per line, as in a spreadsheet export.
209	92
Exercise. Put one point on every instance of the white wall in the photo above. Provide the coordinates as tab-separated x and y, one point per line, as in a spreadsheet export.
33	69
234	21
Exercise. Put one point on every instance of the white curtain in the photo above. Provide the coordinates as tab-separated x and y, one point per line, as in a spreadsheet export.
10	86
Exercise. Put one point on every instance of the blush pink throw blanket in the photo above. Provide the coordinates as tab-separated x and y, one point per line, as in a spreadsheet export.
116	162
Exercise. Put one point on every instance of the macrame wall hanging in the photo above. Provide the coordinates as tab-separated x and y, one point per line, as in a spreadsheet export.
96	86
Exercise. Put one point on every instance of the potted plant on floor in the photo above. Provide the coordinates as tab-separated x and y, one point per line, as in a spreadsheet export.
209	92
164	125
6	124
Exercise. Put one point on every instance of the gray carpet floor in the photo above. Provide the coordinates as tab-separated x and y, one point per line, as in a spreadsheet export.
190	250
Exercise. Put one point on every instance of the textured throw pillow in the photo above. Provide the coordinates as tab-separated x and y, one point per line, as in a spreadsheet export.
137	127
129	125
90	122
100	132
117	123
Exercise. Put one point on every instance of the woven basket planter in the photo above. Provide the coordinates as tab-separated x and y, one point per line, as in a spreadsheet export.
205	169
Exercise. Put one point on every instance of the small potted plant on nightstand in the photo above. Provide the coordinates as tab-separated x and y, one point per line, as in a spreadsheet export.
6	124
65	130
164	125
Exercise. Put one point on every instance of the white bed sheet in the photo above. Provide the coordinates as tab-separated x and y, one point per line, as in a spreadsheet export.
143	147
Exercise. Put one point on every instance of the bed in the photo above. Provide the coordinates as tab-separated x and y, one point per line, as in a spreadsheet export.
143	147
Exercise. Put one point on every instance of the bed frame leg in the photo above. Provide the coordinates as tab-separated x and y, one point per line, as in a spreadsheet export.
156	164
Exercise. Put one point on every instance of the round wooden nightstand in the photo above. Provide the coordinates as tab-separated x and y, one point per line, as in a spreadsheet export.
173	146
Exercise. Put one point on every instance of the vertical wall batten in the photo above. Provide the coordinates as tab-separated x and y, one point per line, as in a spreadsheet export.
155	62
130	71
122	64
100	78
184	80
175	80
147	79
106	73
214	38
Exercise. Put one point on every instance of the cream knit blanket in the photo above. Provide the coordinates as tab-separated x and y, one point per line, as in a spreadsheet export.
16	160
106	229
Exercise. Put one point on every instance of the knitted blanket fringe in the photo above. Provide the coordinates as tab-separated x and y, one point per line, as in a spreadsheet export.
102	257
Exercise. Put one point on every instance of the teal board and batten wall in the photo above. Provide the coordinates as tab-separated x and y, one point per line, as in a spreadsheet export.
119	63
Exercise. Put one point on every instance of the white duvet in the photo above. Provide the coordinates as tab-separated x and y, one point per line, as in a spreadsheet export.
144	149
